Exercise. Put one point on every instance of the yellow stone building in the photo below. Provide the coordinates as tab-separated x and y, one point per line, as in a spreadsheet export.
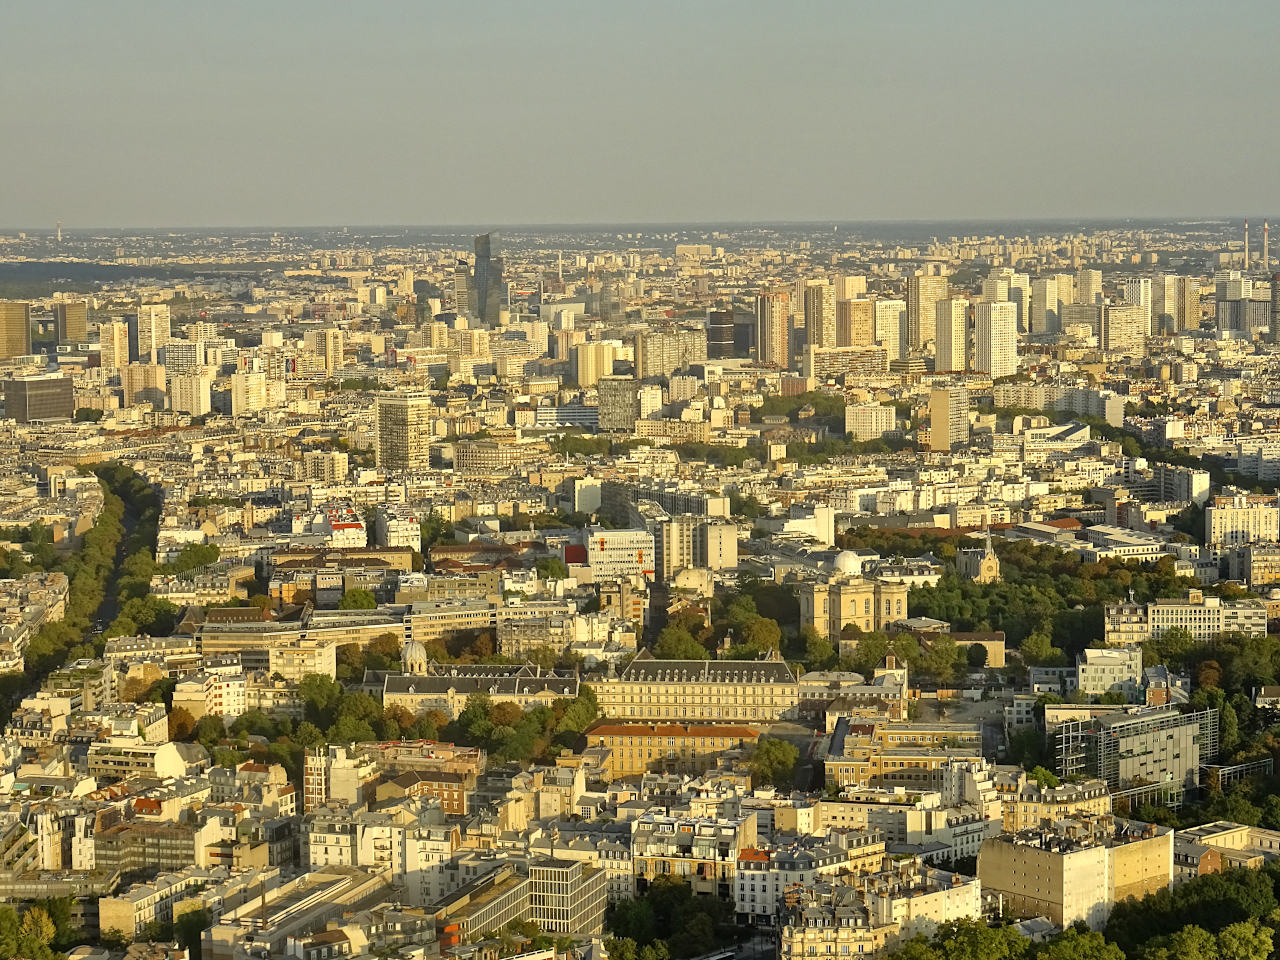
636	748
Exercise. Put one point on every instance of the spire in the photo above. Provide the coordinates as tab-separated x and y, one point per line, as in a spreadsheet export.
990	546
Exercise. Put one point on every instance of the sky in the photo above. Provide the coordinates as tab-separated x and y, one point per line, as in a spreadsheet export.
136	113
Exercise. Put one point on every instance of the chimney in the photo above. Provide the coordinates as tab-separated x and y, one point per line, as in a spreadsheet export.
1246	245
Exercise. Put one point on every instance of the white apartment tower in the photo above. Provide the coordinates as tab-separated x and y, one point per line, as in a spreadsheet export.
996	339
1045	317
773	327
820	314
1137	291
951	342
891	326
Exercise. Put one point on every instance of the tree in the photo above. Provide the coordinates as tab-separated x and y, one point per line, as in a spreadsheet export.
551	568
189	928
358	599
974	940
320	697
210	730
760	634
1046	778
819	654
1209	674
193	556
976	655
676	643
774	762
1037	650
1246	940
35	933
621	948
181	723
1076	945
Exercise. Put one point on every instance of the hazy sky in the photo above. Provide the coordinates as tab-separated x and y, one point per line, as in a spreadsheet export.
539	111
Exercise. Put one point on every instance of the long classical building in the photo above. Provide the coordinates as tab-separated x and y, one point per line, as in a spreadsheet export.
706	691
636	748
446	687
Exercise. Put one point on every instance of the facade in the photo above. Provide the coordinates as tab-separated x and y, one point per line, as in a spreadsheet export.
638	748
772	872
863	915
39	398
820	315
1204	617
948	418
149	330
923	295
404	432
660	354
772	328
144	383
1124	329
981	565
699	691
485	301
1045	317
1076	870
1114	670
1030	805
113	344
869	421
855	322
71	321
704	851
829	604
996	339
951	344
1159	748
891	327
191	393
1234	521
447	688
620	553
15	329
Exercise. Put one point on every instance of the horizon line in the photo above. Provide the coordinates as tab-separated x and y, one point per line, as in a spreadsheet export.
1207	219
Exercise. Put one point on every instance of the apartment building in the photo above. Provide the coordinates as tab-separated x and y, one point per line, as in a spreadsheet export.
1113	670
1027	805
1204	617
867	914
766	873
1076	870
704	851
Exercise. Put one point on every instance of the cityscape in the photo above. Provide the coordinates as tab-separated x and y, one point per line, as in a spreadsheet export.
597	565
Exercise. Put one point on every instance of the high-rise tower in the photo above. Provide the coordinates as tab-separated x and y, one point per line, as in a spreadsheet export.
772	309
487	281
15	329
71	320
922	295
996	339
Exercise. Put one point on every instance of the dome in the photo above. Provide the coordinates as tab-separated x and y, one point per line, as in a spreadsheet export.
413	657
847	563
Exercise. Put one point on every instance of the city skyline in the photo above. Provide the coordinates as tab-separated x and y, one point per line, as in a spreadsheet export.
307	115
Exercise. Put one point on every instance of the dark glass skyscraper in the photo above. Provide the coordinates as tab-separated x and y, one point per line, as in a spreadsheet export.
486	286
